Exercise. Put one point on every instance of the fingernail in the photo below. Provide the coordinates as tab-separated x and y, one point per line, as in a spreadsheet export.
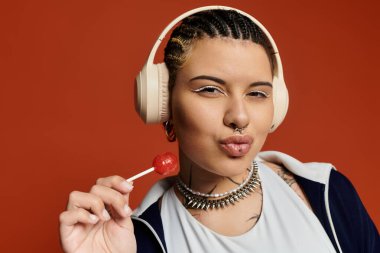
127	185
93	218
106	215
127	210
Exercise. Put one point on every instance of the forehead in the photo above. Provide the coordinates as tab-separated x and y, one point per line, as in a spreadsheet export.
226	57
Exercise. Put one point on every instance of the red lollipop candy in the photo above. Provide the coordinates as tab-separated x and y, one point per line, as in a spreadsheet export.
162	164
165	163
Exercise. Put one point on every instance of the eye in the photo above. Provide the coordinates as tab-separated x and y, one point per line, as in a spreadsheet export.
212	90
257	93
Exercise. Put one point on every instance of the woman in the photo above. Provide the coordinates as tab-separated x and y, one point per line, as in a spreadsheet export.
226	94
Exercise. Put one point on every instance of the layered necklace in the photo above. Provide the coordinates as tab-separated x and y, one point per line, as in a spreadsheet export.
205	201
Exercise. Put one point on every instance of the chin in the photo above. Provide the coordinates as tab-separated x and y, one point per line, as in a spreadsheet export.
234	166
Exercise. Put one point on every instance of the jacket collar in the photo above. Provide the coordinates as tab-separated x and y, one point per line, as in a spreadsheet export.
317	172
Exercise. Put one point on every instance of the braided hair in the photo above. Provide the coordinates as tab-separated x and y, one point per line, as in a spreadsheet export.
210	24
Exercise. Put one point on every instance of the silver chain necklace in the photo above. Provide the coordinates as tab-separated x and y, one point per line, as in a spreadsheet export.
198	200
218	195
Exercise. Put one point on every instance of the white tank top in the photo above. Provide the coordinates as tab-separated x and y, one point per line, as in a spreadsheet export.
286	224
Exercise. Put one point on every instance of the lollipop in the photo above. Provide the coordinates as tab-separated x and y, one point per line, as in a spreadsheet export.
162	164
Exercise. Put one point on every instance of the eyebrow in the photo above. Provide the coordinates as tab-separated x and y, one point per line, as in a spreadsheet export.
220	81
211	78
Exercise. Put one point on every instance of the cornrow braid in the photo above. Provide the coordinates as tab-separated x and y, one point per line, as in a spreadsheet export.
244	28
220	25
211	24
229	17
201	24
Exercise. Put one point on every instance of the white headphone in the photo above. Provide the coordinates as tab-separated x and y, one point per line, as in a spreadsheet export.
152	93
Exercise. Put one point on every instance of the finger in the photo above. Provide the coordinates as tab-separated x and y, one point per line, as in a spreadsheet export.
120	184
72	217
88	201
68	219
118	201
116	182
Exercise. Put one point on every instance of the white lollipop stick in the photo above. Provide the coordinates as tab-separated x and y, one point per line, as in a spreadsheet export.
140	174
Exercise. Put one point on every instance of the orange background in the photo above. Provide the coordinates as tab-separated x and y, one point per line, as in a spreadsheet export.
66	98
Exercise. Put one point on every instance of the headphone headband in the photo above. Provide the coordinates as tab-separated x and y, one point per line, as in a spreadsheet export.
206	8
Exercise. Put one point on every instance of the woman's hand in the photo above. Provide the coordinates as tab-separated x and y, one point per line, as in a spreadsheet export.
99	221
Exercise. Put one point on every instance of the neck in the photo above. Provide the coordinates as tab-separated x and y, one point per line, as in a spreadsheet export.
204	181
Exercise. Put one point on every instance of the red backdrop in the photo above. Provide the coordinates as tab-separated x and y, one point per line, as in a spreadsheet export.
66	98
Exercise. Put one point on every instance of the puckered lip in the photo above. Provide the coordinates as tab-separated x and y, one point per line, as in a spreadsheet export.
237	139
237	145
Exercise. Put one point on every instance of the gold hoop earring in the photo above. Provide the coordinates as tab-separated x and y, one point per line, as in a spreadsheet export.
169	131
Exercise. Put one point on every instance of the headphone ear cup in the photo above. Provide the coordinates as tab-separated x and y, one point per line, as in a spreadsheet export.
280	102
152	93
163	83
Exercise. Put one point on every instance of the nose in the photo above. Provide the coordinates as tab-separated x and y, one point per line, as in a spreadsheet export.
236	115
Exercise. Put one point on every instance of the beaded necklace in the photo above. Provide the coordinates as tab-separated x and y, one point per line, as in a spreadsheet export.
199	200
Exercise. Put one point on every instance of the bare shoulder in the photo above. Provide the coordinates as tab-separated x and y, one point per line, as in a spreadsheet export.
289	178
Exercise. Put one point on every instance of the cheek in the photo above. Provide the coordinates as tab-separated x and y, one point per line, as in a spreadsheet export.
262	117
195	122
192	120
